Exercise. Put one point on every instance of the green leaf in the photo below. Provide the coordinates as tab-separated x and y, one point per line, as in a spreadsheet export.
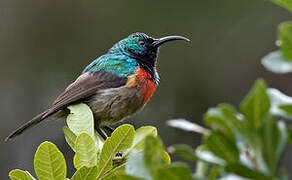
231	116
217	121
269	140
70	137
225	119
275	63
283	138
115	173
153	153
49	162
75	163
135	166
256	105
222	146
187	126
204	154
285	37
281	61
120	140
85	173
166	157
287	109
236	123
176	171
80	119
139	138
18	174
274	139
86	151
215	173
284	3
183	150
142	164
245	172
128	177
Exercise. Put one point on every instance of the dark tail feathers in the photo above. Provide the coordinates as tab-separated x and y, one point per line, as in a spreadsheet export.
27	125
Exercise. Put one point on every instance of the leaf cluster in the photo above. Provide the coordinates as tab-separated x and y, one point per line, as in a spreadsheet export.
248	143
126	154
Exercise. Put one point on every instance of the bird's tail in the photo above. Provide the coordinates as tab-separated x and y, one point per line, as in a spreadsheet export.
27	125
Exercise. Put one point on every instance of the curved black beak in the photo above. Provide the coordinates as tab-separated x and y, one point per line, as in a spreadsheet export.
158	42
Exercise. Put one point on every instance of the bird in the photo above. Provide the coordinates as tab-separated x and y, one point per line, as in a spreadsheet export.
115	85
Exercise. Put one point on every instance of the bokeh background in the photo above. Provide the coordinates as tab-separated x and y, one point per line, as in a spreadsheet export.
44	45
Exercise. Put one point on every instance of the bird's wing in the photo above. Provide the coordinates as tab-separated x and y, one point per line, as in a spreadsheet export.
85	86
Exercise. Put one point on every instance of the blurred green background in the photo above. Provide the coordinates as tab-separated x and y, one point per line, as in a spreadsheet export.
44	45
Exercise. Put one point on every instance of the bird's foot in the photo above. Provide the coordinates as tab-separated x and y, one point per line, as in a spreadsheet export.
119	154
118	159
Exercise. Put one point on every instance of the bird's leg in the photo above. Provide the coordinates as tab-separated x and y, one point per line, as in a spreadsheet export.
110	129
101	133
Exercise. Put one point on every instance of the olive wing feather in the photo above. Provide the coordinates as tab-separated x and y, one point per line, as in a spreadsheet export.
85	86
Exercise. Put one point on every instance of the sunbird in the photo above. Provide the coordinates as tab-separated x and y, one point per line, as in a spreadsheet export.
114	86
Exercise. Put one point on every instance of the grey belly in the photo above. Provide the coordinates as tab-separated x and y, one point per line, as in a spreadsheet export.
111	106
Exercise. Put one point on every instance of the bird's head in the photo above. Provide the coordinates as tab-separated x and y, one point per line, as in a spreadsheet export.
142	47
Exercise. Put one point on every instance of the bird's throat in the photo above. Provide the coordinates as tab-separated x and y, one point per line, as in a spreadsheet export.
144	81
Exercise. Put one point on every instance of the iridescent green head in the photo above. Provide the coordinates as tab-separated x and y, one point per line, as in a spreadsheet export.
143	48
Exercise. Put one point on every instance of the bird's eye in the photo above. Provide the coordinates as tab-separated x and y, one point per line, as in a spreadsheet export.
141	43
